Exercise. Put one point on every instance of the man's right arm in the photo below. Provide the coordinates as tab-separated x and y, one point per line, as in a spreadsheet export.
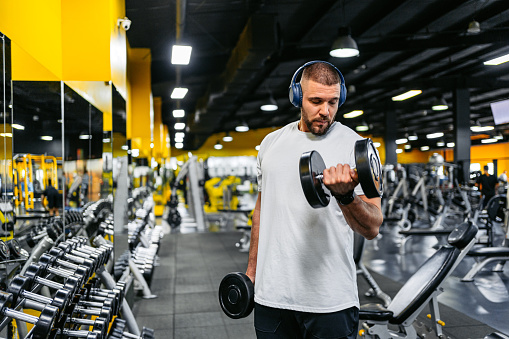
253	245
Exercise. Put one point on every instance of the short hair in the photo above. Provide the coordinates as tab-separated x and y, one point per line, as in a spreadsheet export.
322	73
486	167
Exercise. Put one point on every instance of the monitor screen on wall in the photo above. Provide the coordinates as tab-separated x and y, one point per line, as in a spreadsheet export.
500	111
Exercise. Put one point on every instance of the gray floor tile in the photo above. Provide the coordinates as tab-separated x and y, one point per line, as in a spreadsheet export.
160	324
214	332
198	319
196	302
241	331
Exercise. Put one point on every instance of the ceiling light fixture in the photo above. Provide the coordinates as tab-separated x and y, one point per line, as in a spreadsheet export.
401	141
179	126
179	139
450	144
106	140
488	141
353	114
434	135
179	93
497	61
46	138
481	128
218	145
399	150
413	137
474	27
408	146
85	136
344	46
440	143
424	148
242	127
180	55
362	128
439	105
180	135
407	95
179	145
498	137
271	106
377	144
18	126
227	138
178	113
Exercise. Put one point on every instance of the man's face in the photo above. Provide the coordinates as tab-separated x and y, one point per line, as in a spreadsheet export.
319	106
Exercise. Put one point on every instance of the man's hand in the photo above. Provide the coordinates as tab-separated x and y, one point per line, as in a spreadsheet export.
340	179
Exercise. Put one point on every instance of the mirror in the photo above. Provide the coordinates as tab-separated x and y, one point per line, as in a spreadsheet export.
37	149
6	188
120	164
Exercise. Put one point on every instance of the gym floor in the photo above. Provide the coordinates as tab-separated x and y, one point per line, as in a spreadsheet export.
193	264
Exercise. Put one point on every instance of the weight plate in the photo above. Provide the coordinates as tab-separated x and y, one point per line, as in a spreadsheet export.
4	250
369	168
236	295
14	247
310	166
45	323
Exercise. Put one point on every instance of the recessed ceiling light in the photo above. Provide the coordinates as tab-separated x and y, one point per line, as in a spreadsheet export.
179	93
434	135
353	114
497	61
401	141
179	113
407	95
180	55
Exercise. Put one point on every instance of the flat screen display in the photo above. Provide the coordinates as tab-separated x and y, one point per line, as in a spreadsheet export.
500	111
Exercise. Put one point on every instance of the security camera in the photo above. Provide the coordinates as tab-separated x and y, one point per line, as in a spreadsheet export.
125	23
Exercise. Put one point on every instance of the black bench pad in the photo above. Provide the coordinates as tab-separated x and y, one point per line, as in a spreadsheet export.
374	312
489	252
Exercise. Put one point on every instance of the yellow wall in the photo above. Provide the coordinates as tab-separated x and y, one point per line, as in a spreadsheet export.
86	40
36	27
139	106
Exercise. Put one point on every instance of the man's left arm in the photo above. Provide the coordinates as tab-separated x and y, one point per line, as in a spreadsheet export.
364	215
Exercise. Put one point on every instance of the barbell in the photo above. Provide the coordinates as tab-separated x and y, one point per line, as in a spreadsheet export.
369	170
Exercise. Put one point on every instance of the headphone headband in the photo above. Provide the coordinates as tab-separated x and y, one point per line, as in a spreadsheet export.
295	90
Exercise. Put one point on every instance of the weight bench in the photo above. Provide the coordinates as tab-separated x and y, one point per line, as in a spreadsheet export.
441	235
495	209
421	289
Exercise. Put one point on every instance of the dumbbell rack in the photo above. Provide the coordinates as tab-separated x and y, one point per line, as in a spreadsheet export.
94	219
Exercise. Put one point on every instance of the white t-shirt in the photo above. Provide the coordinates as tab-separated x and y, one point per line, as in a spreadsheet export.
305	255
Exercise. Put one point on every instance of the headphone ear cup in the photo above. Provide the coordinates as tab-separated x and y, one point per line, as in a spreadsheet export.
342	95
296	94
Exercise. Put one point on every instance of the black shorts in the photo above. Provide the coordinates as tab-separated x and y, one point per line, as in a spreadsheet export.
278	323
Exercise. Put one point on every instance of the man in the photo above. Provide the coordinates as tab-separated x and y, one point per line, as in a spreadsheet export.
52	195
488	185
301	258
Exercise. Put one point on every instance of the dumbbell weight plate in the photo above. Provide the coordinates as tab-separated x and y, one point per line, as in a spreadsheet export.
4	250
236	295
311	164
369	168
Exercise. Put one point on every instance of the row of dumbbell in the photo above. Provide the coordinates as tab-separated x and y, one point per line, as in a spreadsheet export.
94	213
154	234
118	328
107	227
145	265
74	264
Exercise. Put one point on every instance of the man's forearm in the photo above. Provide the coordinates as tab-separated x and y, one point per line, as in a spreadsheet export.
253	244
364	216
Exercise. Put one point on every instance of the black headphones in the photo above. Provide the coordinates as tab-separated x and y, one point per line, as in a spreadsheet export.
295	90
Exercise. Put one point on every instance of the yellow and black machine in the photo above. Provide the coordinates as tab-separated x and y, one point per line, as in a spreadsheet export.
31	176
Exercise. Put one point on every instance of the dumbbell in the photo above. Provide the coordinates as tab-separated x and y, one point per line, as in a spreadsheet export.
118	327
96	255
86	265
34	272
61	255
119	289
93	300
61	333
236	295
34	236
47	263
99	325
20	288
368	167
42	324
105	312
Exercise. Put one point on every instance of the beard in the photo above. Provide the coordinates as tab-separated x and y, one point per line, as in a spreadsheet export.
320	129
